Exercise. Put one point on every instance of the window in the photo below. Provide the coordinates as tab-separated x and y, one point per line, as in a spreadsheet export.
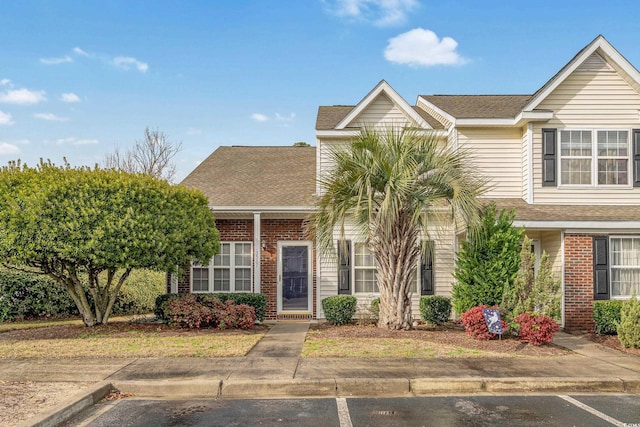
585	153
229	271
625	266
364	270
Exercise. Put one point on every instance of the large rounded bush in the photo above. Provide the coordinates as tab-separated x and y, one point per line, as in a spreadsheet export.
339	309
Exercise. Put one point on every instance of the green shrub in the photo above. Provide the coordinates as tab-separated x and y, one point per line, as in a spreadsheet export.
629	327
606	315
25	295
257	301
488	260
435	309
139	292
339	309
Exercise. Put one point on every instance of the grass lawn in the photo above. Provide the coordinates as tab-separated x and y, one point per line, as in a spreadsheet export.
122	338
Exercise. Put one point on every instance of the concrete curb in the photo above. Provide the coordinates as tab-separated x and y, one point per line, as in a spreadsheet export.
179	389
70	407
553	385
278	388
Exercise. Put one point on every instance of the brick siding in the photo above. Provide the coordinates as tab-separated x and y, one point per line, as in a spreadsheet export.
578	282
271	231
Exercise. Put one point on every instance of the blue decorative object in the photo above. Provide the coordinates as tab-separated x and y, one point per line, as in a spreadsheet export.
492	318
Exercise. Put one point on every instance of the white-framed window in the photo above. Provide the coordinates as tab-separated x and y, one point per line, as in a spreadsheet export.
365	274
594	157
228	271
624	262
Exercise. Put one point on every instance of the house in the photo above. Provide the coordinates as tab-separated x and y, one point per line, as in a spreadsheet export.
566	158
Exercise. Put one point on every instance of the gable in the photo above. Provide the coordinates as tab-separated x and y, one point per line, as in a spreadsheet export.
379	112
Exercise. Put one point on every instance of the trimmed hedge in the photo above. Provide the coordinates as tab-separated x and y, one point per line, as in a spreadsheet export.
257	301
435	309
606	315
339	309
629	327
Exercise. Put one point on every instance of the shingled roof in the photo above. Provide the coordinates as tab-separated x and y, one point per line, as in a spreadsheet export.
536	212
257	177
479	106
329	116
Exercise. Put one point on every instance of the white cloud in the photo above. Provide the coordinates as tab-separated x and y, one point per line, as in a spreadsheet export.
126	62
6	148
6	82
56	61
258	117
382	13
79	51
75	141
422	48
289	118
50	117
69	97
5	119
23	96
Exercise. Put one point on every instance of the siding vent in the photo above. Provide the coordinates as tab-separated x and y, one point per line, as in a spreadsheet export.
595	63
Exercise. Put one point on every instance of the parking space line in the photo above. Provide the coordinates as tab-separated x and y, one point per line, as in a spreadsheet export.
592	411
343	412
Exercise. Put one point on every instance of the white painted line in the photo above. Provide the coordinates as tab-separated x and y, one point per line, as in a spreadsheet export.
343	412
592	411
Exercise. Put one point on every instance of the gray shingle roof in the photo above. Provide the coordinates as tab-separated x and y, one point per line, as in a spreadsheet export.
526	212
257	176
329	116
479	106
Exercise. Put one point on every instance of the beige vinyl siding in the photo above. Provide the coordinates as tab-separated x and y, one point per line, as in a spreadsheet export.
525	164
497	152
381	112
439	117
442	264
551	243
587	100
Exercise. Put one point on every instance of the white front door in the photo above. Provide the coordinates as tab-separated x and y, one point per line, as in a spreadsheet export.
295	276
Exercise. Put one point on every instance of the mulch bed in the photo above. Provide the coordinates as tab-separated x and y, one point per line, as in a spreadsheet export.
612	341
450	334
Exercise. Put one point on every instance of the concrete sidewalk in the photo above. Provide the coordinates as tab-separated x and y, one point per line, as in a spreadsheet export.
273	368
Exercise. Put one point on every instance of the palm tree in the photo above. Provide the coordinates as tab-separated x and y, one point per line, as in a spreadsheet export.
393	183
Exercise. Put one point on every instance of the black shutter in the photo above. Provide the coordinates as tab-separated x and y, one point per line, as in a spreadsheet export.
344	267
600	267
426	270
549	148
635	141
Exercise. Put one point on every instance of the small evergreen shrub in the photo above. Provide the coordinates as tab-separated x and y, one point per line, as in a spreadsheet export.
339	309
606	315
435	309
629	327
536	329
488	261
475	324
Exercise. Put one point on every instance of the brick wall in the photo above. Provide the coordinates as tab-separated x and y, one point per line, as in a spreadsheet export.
578	282
271	231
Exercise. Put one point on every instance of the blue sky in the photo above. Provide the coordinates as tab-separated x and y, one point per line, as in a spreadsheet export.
78	78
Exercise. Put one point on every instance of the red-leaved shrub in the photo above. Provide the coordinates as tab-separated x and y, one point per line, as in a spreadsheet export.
536	329
475	325
186	311
208	311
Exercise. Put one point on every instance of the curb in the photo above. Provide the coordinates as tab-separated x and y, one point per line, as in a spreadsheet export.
70	407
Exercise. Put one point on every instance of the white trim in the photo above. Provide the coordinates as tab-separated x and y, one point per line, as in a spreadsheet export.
598	43
257	251
262	209
530	163
309	245
438	110
610	264
579	226
173	280
520	120
232	269
383	87
330	133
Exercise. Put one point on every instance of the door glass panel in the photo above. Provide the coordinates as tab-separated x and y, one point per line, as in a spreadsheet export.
295	278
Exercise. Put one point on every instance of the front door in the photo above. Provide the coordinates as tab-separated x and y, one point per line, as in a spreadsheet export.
294	276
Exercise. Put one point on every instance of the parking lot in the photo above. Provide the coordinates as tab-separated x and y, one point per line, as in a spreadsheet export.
524	410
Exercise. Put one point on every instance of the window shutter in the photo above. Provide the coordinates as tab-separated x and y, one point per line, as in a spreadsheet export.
549	148
344	267
426	270
635	141
600	267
